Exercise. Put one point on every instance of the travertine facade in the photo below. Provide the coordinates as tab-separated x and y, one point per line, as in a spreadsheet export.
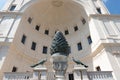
92	33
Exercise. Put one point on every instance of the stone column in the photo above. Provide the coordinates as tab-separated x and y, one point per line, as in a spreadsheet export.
40	73
81	72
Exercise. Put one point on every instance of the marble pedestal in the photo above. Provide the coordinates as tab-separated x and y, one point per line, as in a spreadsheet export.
59	65
80	72
40	73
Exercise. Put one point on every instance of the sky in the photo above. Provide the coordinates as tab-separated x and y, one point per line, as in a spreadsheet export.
2	2
112	5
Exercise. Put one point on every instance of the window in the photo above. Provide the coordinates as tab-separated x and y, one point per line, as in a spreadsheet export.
29	19
14	69
89	39
46	32
33	47
75	28
45	49
79	45
69	49
37	27
98	68
71	77
99	10
12	8
83	21
23	39
66	32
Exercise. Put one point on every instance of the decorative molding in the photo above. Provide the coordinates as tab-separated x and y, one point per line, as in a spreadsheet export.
12	14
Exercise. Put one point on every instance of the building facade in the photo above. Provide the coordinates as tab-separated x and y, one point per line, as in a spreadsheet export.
27	28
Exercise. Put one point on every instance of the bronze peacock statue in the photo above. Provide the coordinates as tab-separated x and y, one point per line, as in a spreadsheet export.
41	62
79	62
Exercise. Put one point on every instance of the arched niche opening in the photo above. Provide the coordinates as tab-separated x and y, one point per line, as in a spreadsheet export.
67	16
50	16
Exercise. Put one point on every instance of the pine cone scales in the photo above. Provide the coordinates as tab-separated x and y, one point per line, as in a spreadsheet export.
59	44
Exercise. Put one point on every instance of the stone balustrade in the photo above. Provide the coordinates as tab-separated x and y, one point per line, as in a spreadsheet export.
92	75
18	76
100	75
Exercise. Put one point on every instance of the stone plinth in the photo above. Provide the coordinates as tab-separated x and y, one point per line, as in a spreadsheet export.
40	73
59	65
80	72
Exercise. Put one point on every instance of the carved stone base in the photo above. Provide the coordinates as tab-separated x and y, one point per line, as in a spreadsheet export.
60	66
80	73
40	72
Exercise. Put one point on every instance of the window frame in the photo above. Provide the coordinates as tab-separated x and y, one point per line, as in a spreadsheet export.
23	39
66	32
29	20
89	39
37	27
98	68
79	46
76	28
14	69
33	46
45	50
46	32
12	7
99	10
83	21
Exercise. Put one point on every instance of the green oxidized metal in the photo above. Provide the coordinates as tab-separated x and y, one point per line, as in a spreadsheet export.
59	45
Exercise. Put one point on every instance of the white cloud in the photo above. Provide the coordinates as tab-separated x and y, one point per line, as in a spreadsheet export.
105	1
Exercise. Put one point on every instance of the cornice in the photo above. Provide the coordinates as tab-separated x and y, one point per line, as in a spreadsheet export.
9	13
104	16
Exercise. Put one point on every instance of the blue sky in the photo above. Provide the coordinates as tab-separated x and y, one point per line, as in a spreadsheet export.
2	2
112	5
